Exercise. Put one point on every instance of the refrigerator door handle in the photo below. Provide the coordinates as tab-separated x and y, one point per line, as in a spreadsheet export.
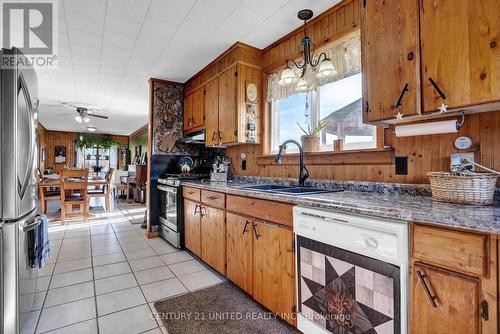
33	225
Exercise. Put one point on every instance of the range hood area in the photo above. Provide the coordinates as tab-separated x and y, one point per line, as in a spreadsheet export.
194	138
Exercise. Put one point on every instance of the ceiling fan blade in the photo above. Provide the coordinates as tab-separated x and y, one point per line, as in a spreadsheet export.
72	114
97	116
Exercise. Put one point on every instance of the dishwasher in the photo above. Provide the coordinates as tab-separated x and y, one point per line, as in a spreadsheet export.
352	273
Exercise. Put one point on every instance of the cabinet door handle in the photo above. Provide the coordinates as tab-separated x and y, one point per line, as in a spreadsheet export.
212	197
437	88
197	206
432	299
257	235
213	135
270	224
245	227
203	214
400	99
220	134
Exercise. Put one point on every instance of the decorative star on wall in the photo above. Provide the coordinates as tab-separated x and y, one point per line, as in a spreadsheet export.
399	116
443	108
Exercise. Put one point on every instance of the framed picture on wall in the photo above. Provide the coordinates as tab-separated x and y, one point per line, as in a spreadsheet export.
60	154
42	155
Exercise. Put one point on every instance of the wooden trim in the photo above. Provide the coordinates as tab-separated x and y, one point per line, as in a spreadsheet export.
222	55
148	232
142	130
355	157
156	80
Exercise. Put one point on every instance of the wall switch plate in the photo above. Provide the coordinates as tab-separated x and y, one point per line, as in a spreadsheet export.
401	165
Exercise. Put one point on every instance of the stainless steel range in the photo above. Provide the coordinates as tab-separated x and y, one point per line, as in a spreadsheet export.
170	210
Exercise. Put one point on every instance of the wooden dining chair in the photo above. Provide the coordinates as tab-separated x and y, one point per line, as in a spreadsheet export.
74	184
104	190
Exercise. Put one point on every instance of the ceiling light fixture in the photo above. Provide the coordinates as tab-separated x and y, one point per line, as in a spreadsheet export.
79	119
91	128
323	64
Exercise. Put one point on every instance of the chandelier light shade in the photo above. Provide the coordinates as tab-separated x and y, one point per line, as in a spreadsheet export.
326	69
86	119
288	77
78	119
321	63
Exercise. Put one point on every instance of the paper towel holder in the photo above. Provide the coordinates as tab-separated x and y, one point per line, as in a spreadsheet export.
452	126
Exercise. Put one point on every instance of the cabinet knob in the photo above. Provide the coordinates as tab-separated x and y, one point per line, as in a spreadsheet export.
411	56
482	76
493	44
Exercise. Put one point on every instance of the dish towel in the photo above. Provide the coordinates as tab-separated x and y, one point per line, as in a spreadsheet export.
42	246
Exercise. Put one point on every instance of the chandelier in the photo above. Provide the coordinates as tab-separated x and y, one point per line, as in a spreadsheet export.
322	64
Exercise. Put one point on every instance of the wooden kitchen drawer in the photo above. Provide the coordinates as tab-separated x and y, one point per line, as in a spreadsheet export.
213	199
191	193
275	212
459	251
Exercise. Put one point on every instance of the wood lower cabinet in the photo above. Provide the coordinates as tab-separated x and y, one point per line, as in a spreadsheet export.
274	268
213	245
239	240
192	226
456	298
453	281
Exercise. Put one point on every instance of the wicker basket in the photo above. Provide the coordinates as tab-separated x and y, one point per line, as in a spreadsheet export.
475	188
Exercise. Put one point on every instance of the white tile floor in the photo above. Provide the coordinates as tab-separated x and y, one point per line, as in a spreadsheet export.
105	275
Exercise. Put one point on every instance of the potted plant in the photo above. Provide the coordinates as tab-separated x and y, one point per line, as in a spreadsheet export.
310	139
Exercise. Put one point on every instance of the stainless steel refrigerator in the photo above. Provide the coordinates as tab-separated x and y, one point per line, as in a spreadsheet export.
18	192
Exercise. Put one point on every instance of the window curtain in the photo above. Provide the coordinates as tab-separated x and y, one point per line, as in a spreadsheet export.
346	57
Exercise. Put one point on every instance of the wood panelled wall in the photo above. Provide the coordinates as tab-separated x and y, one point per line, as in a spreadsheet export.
42	144
425	153
67	139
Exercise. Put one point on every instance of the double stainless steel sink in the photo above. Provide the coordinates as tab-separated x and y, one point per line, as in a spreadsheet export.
287	190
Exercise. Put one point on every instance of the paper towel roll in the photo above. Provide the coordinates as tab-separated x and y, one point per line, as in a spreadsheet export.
426	128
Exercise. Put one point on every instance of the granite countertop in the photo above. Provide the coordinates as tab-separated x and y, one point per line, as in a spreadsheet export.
393	206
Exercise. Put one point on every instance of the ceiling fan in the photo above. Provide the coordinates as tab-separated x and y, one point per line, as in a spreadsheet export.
84	111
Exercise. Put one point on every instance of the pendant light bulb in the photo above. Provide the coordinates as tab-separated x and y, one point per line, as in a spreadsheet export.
78	119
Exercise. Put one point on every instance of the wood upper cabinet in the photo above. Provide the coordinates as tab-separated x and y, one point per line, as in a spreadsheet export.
239	239
212	113
456	298
192	231
228	107
390	58
274	268
194	110
188	112
460	52
213	245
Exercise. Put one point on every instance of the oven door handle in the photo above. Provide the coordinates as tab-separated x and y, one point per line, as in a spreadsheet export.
167	189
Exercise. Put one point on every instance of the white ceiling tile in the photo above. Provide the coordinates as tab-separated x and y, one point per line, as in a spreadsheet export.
119	40
86	61
266	7
85	23
84	38
90	8
134	10
84	50
208	15
151	43
172	12
110	51
121	26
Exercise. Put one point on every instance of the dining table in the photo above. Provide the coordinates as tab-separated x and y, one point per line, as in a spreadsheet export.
54	182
